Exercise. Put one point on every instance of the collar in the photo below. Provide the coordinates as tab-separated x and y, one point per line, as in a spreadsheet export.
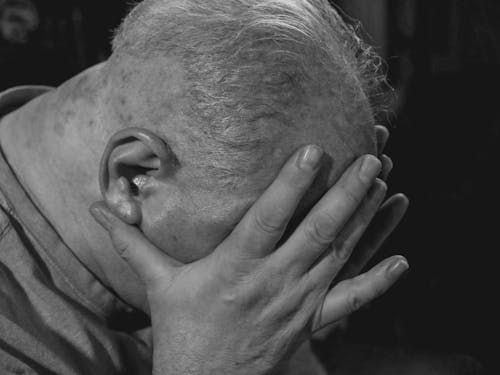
68	273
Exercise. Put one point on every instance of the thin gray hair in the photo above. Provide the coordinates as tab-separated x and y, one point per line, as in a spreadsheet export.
247	60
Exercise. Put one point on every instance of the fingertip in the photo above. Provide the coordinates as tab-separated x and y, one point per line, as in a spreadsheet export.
310	157
387	158
400	258
387	162
96	206
382	135
397	267
369	168
97	212
378	190
403	199
402	196
381	130
399	202
381	184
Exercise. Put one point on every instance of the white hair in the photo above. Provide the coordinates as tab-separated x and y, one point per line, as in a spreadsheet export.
247	60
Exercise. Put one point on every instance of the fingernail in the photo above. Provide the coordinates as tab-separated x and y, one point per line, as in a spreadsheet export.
310	157
398	268
370	168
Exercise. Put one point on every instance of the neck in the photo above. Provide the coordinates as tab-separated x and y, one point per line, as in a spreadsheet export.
62	138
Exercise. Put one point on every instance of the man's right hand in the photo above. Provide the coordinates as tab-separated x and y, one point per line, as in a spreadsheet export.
248	305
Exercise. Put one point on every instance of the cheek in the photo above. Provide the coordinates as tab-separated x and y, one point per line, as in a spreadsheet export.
190	225
185	237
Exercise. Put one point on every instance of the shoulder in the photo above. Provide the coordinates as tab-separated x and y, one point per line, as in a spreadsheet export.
16	97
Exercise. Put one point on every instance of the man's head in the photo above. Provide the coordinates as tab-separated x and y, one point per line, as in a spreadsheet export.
209	99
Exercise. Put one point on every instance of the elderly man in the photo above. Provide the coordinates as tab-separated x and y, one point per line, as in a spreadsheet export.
185	133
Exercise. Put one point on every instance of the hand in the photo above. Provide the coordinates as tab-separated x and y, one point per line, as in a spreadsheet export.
248	305
382	225
388	217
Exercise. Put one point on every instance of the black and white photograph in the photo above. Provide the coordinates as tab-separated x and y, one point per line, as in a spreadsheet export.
249	187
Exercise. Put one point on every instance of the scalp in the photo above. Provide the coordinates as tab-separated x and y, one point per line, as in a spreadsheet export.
249	65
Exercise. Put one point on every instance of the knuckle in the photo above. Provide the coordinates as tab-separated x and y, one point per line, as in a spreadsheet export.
268	222
340	252
320	230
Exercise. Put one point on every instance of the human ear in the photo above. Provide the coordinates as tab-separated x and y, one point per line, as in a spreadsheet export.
134	159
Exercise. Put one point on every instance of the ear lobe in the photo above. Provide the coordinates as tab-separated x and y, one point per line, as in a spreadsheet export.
132	158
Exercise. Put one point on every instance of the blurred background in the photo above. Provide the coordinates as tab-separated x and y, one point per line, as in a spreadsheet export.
443	60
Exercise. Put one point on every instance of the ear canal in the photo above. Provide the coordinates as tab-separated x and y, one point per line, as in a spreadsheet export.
135	152
131	160
120	199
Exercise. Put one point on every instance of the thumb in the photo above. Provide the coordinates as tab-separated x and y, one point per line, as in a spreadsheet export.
150	263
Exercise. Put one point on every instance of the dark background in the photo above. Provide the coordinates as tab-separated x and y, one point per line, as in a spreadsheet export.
443	61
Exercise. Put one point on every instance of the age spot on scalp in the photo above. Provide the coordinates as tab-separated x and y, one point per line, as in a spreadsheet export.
124	117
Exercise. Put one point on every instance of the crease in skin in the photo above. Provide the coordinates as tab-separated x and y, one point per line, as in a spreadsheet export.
191	210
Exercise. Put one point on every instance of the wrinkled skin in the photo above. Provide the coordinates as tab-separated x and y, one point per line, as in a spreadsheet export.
248	305
184	216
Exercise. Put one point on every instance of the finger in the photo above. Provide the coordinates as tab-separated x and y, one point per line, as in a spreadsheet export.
149	262
387	166
382	135
264	224
385	221
333	260
350	295
321	226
